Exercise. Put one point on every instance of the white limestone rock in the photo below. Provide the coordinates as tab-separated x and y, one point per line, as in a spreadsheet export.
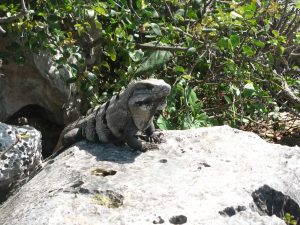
202	176
20	154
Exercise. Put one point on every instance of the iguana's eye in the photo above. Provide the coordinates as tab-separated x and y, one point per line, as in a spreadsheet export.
144	102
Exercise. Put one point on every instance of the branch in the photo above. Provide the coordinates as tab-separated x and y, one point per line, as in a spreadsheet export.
13	18
9	19
185	33
130	5
288	92
2	30
24	6
163	48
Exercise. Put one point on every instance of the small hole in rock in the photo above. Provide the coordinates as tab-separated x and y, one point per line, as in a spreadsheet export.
163	161
158	220
181	219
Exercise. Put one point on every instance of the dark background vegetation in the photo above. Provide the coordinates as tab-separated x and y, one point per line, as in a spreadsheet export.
228	62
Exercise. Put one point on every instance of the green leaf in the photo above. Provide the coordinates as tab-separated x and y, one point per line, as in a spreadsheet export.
192	97
235	15
111	53
120	33
275	32
162	123
248	50
137	55
235	40
100	11
98	25
249	86
223	43
259	43
281	50
191	50
105	64
249	89
187	77
156	60
227	99
141	4
156	29
154	13
179	69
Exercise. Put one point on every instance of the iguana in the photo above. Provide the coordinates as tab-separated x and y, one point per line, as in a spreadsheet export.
120	119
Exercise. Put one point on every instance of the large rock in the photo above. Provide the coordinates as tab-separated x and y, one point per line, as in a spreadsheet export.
204	176
20	155
38	92
37	82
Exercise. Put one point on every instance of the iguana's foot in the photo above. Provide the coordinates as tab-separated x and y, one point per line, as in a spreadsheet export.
156	137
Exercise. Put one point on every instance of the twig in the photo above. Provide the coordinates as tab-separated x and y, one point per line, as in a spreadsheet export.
132	9
181	31
169	10
163	48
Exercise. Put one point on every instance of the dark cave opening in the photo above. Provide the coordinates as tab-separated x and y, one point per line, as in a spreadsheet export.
42	120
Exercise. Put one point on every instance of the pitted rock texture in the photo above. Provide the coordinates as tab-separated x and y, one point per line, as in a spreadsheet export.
20	154
205	171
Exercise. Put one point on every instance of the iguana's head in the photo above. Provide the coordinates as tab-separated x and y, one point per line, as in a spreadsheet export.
147	97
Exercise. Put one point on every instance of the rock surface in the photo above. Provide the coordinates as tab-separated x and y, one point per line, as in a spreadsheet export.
20	155
37	91
203	176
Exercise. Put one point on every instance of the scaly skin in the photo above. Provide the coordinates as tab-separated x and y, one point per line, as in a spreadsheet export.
119	120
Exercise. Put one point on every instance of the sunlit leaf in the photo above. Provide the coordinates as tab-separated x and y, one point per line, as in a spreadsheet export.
156	29
235	15
137	55
235	40
154	61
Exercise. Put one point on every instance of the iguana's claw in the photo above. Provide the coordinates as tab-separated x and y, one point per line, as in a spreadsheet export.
156	137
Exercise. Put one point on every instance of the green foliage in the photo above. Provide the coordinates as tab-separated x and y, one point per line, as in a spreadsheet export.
226	60
289	219
184	109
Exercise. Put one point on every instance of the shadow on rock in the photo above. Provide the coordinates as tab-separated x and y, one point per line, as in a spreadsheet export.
273	202
109	152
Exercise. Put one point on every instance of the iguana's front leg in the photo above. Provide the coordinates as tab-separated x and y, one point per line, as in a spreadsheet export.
136	144
131	139
152	134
